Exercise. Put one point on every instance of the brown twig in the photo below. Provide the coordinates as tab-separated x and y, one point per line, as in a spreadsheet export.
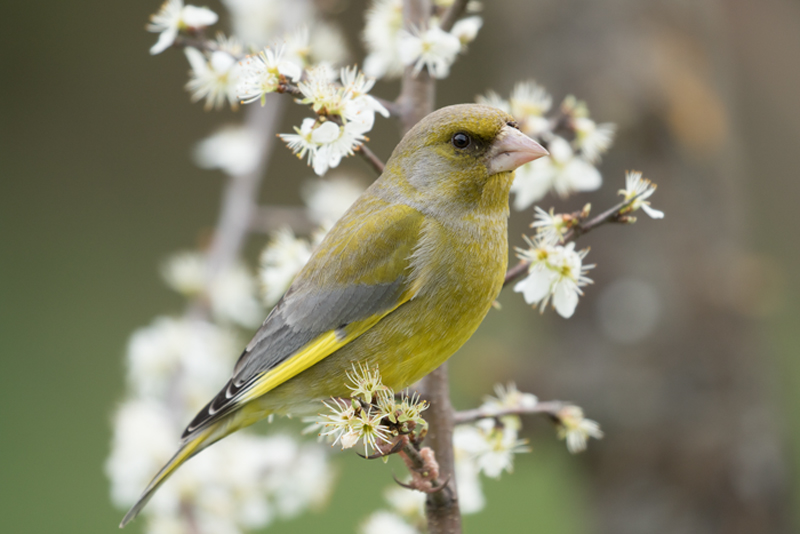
370	157
452	14
550	408
241	192
424	470
441	508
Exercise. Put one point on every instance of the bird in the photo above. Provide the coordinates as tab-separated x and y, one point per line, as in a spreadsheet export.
399	283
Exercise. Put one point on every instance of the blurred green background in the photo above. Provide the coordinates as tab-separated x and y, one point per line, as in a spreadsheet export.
702	413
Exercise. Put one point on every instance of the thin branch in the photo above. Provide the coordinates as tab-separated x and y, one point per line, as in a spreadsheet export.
452	15
239	196
370	157
550	408
616	214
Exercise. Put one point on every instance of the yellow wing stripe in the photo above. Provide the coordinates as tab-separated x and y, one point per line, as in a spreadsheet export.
312	353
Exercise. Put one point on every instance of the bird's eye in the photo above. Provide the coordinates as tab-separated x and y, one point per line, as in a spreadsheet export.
461	140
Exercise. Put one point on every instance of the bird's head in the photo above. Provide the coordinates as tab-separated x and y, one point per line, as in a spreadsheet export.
463	154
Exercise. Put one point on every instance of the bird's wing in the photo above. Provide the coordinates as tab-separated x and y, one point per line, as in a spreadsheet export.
358	275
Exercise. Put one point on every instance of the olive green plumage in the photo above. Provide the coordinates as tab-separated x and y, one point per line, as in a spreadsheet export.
401	281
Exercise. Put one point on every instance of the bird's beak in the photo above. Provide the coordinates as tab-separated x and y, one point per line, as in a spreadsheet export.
511	149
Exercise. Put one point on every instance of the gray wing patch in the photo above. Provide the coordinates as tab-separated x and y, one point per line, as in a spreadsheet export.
300	317
297	319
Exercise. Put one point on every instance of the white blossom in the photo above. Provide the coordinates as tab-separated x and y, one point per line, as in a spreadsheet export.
280	262
550	227
592	139
367	384
323	43
246	483
359	106
576	429
555	272
562	172
302	142
529	102
433	48
336	144
490	446
327	199
143	438
201	351
466	29
261	74
644	188
407	503
185	272
384	20
297	47
233	149
325	143
214	78
383	522
347	426
174	17
320	91
347	113
328	43
233	294
470	491
491	98
232	45
259	22
507	397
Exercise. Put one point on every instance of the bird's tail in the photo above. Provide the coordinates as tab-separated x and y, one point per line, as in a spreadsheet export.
189	448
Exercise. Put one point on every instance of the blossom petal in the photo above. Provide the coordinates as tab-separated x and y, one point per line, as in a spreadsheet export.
565	298
165	40
652	212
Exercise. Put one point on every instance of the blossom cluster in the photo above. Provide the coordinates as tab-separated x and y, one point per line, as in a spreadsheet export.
373	415
574	140
174	367
391	47
345	113
485	447
556	270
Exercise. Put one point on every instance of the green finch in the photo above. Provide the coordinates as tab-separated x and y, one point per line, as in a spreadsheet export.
400	282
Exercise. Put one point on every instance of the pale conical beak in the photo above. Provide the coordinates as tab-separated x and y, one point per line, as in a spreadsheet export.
511	149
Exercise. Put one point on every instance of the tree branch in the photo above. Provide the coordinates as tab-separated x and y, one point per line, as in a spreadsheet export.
239	196
452	15
370	157
550	408
441	508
